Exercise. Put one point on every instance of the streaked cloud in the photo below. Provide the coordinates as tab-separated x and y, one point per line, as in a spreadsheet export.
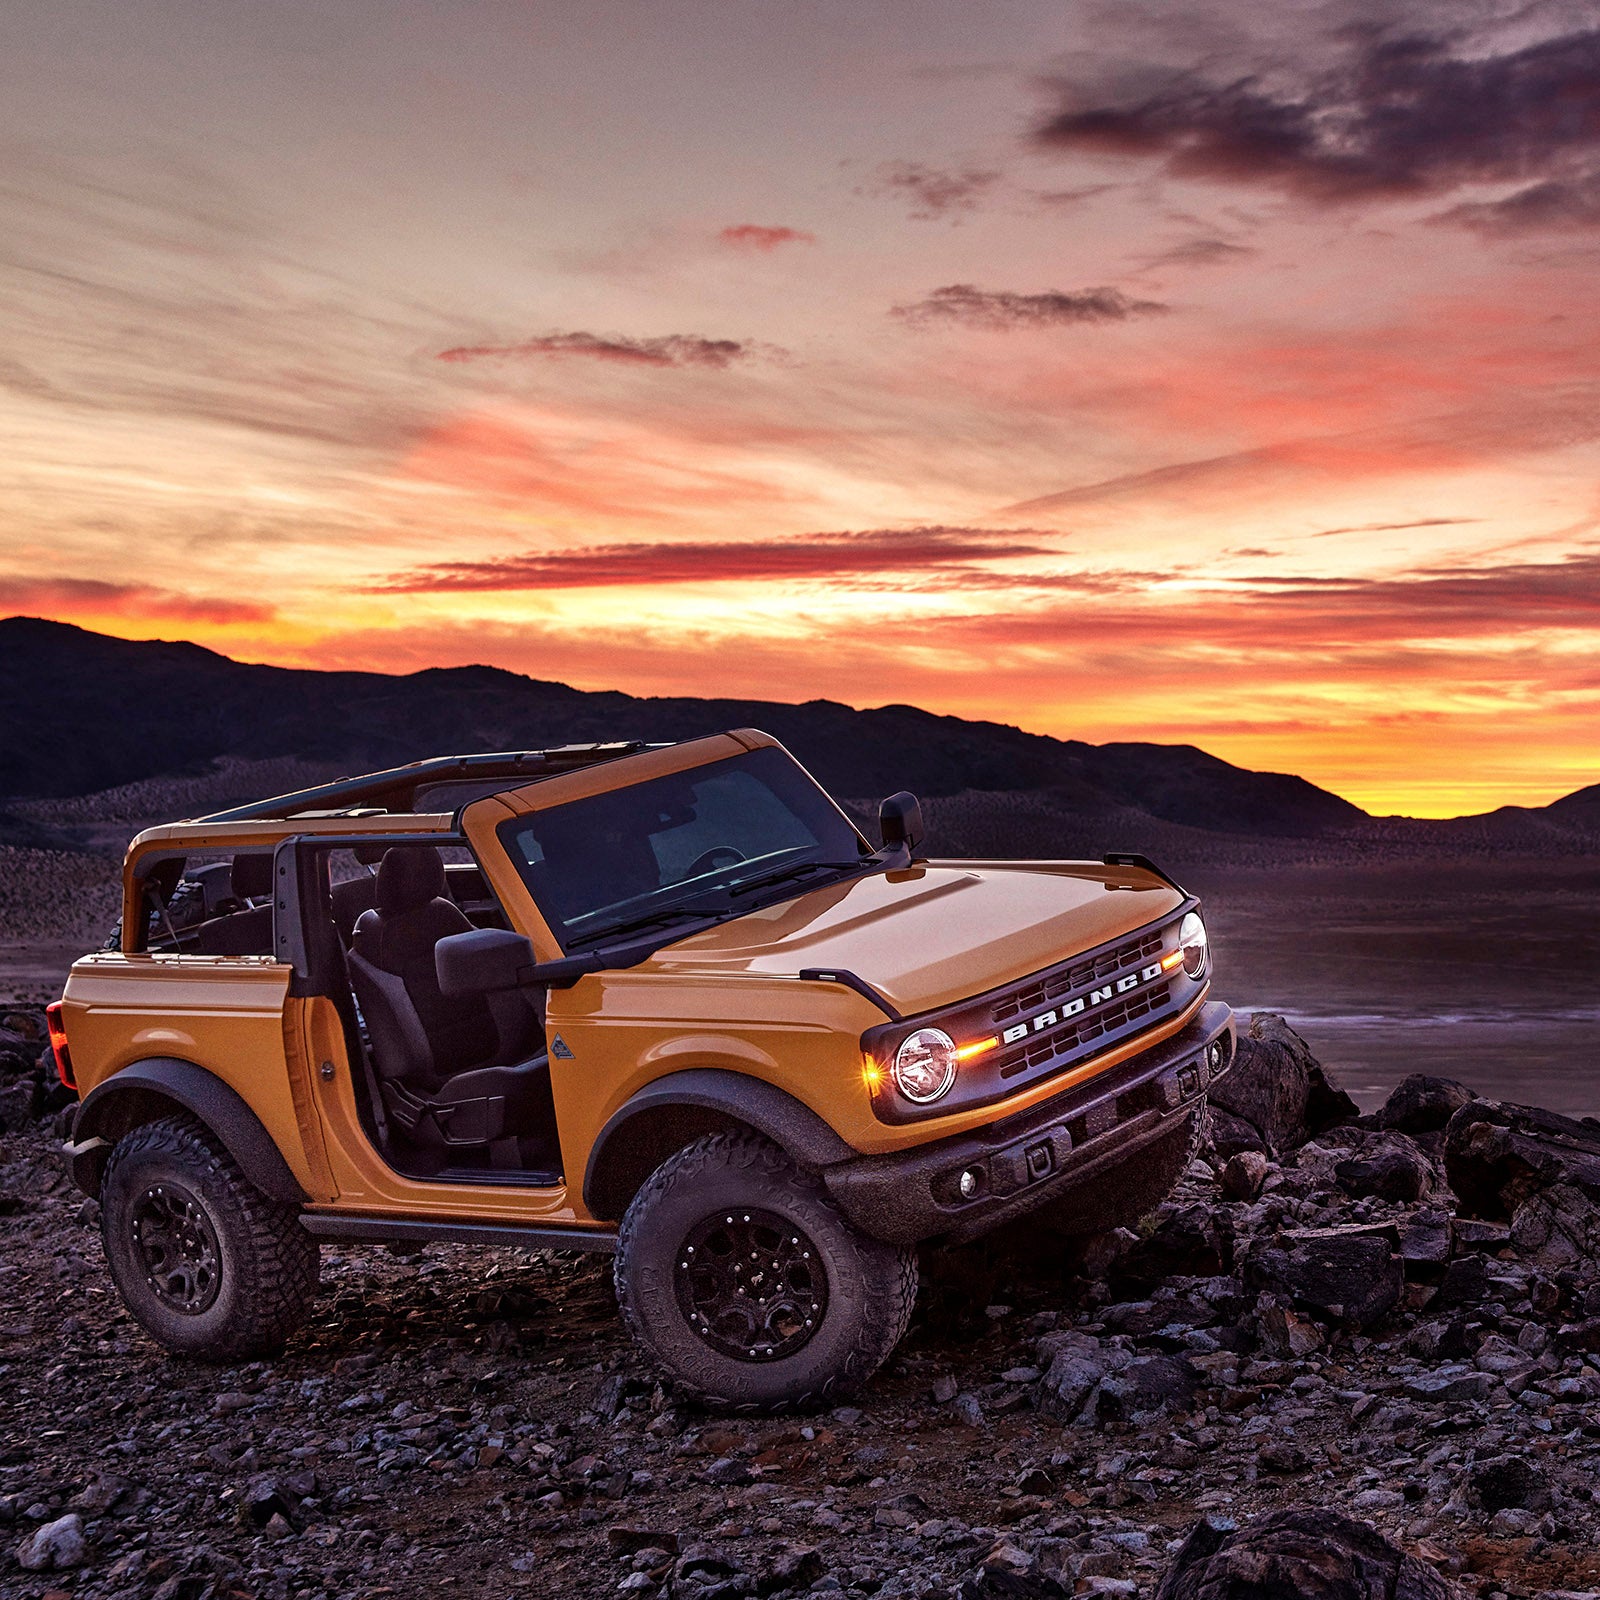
1004	308
1395	527
667	350
817	555
1205	252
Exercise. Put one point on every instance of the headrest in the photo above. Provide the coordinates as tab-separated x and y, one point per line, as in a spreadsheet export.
409	876
251	875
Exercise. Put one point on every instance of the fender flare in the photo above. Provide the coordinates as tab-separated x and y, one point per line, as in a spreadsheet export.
187	1087
704	1099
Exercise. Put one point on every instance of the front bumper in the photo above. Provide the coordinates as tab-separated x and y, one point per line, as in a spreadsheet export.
1021	1162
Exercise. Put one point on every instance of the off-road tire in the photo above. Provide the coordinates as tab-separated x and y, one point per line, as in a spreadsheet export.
1130	1190
266	1263
870	1286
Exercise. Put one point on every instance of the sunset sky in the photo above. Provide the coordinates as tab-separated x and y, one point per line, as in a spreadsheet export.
1216	373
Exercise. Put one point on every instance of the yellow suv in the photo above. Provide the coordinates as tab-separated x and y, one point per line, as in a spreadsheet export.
666	1001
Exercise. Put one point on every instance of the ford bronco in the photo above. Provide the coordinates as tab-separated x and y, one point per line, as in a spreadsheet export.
664	1001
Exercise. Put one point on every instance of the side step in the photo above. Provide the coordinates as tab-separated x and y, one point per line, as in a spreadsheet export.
342	1225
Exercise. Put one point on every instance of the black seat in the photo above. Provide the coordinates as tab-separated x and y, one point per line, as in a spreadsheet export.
456	1070
350	899
246	931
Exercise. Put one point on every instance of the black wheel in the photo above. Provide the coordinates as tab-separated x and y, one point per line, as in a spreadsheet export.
203	1259
1128	1191
737	1273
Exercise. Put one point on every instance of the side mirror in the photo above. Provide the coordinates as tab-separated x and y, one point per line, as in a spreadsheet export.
483	961
900	823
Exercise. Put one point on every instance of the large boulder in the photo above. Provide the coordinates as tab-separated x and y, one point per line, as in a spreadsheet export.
1186	1242
1075	1364
1010	1573
1227	1136
1279	1088
1498	1155
55	1547
1343	1275
1503	1483
1387	1166
1558	1229
1420	1104
1146	1388
1299	1555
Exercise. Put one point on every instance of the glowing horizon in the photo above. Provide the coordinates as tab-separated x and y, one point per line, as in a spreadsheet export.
1212	378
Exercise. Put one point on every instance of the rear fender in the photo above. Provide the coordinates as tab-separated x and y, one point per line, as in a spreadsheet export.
158	1087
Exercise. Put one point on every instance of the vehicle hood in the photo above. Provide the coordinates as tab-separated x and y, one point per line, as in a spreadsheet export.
933	934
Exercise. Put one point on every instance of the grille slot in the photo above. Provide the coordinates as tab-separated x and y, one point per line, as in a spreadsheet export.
1066	1041
1077	976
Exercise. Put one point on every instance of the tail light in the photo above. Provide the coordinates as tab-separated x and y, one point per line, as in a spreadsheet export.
58	1045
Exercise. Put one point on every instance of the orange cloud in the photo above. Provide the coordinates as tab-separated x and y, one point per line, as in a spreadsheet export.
753	236
1452	690
543	467
91	598
815	555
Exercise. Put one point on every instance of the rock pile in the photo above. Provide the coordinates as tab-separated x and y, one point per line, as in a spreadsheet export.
1350	1357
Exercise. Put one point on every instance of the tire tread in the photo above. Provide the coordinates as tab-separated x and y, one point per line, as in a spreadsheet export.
891	1298
280	1261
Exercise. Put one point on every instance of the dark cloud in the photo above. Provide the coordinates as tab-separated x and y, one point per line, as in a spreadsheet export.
817	555
91	596
931	192
1398	116
669	350
754	236
1553	205
1002	308
1070	199
1200	253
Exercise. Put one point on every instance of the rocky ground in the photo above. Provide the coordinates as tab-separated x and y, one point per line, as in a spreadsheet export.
1348	1358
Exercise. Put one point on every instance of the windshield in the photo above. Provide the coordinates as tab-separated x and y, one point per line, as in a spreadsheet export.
700	843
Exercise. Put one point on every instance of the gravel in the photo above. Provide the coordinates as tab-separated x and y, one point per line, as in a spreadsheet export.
474	1421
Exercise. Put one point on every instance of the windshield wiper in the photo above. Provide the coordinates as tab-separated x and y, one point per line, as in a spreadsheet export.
654	920
768	880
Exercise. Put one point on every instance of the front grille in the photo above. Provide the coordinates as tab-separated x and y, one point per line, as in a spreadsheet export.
1078	976
1059	1018
1062	1042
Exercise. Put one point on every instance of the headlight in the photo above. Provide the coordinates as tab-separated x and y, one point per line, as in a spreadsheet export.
925	1065
1192	942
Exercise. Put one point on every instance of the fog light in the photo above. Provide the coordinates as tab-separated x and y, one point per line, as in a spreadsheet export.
1216	1055
970	1183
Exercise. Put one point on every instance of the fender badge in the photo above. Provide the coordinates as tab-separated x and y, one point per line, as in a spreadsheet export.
560	1049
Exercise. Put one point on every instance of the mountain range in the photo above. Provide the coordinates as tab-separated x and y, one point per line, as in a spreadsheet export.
85	712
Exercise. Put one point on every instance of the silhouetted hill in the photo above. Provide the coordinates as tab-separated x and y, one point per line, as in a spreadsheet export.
84	713
1579	809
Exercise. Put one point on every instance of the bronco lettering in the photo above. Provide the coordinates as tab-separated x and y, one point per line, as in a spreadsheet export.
1097	997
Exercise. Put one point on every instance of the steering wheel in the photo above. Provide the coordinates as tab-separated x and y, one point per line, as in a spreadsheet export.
718	855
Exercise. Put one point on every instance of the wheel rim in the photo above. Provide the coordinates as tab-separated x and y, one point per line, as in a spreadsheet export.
178	1248
751	1284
